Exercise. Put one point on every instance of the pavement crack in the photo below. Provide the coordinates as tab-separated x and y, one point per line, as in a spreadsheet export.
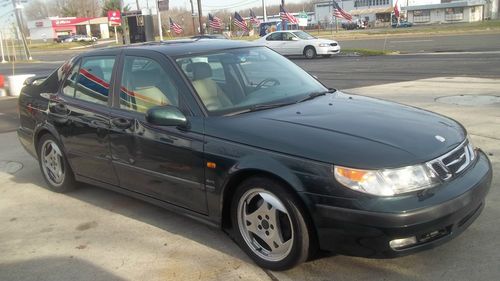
271	275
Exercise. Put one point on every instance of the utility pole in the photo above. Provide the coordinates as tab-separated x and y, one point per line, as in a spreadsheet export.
1	48
20	27
202	31
264	12
159	19
192	17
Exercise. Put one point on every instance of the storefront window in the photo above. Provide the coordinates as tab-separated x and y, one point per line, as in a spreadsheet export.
454	14
421	16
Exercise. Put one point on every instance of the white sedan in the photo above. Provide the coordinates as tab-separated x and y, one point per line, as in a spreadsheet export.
298	42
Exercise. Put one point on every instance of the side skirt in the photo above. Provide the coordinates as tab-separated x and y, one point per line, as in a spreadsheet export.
176	209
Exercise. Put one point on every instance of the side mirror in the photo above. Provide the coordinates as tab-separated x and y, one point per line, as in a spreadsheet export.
294	39
166	115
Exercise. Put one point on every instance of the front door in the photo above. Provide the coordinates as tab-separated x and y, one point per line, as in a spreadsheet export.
158	161
80	114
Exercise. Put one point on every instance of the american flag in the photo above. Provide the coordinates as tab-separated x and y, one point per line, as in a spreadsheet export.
215	22
287	16
253	19
396	9
240	22
340	13
175	27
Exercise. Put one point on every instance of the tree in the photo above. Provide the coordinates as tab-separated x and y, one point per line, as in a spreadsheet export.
113	5
37	9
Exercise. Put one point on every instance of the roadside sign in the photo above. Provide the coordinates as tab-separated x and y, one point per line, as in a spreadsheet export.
114	18
163	5
302	17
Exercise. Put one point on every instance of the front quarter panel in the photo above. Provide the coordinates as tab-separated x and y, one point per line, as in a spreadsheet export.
234	159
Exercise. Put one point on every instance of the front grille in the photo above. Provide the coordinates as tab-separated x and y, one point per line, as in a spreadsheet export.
333	44
453	162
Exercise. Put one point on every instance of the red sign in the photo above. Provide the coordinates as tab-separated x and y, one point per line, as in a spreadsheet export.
114	18
68	21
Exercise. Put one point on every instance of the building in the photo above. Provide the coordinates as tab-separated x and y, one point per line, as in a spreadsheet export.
449	11
374	12
48	29
377	13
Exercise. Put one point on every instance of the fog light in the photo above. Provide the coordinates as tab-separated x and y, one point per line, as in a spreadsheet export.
397	244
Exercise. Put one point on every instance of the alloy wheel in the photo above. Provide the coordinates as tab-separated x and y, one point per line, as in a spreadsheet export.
265	224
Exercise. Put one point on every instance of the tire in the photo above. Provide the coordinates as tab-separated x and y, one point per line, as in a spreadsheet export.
275	236
51	159
326	56
310	52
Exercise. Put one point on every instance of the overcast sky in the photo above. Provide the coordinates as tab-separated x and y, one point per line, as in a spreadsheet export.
211	5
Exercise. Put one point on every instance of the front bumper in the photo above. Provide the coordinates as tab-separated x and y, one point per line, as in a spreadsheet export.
330	50
444	212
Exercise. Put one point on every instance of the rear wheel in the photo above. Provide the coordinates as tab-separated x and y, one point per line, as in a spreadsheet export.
268	224
310	52
55	168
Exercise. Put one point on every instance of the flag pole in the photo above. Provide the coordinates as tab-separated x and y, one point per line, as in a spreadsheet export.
336	25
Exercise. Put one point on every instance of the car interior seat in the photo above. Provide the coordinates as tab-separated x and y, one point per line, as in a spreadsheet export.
210	93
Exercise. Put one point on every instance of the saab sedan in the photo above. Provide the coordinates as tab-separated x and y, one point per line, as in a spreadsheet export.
219	131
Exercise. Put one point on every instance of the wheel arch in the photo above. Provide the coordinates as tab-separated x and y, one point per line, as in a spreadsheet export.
269	168
40	131
306	47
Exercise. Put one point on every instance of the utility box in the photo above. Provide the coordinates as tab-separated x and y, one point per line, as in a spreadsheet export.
137	27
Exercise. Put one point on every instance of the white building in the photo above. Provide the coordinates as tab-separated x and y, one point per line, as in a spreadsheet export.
450	11
378	12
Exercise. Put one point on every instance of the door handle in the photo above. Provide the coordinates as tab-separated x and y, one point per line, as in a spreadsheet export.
121	123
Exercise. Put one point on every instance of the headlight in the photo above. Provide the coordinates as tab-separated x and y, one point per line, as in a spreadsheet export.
324	44
386	182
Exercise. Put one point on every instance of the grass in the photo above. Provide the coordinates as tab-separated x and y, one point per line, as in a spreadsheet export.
435	29
57	46
368	52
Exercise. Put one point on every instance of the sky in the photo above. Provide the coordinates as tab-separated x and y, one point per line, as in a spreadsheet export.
207	6
211	5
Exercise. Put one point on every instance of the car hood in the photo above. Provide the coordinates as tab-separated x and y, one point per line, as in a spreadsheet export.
347	130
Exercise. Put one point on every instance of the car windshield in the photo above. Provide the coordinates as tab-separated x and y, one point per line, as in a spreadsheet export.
303	35
236	80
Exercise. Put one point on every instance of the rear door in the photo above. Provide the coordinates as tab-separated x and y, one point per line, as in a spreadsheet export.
163	162
80	113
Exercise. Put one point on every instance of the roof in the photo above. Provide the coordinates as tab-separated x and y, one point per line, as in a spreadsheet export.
446	5
187	46
358	12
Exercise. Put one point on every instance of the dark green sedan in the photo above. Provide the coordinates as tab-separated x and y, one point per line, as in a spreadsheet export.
239	137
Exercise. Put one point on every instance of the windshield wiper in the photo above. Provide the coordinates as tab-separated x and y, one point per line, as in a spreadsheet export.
316	94
258	107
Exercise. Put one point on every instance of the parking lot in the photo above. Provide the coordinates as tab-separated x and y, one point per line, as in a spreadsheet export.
95	234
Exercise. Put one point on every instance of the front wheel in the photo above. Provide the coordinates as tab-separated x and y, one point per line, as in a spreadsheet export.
310	52
269	225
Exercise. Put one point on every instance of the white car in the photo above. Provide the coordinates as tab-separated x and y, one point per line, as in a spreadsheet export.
298	42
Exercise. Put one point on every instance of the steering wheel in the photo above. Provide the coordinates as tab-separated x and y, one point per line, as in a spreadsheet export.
261	84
